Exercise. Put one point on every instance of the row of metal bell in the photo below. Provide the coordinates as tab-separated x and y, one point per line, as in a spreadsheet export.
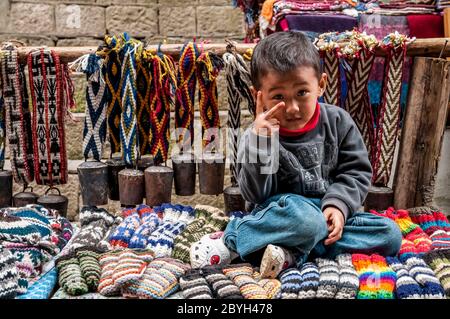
48	200
100	181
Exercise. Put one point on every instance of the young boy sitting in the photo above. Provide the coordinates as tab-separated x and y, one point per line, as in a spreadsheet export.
305	167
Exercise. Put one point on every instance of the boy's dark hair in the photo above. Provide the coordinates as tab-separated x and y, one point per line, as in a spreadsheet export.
282	52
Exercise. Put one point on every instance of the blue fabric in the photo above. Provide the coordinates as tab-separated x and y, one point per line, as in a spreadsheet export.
294	221
42	288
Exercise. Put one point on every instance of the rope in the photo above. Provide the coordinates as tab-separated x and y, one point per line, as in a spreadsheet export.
17	115
50	159
208	68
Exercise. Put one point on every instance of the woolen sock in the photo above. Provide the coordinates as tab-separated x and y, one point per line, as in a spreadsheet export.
441	220
162	245
150	222
131	265
62	231
171	213
222	287
69	274
90	266
291	280
241	275
29	259
159	281
275	259
348	278
387	277
124	232
199	221
407	249
423	216
439	261
422	273
216	221
272	287
367	276
434	224
8	275
194	285
108	262
310	281
405	286
328	278
412	231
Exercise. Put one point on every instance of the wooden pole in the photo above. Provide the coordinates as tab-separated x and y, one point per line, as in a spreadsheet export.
422	132
420	47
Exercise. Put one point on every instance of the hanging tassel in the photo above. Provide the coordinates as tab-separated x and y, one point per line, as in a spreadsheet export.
47	92
18	117
208	68
185	95
389	115
94	133
111	71
2	132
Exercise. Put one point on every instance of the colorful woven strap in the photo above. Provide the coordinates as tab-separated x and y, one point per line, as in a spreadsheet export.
163	87
208	68
18	117
2	131
185	94
128	94
94	133
111	71
143	85
389	114
47	92
238	89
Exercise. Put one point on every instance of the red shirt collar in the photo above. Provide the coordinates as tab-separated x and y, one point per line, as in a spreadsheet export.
312	123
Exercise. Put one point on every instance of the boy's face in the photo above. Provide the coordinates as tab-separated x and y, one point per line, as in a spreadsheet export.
298	89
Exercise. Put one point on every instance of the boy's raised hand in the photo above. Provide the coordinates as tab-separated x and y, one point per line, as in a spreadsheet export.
335	222
266	122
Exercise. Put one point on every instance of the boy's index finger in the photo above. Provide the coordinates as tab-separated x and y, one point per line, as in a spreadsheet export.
273	111
259	107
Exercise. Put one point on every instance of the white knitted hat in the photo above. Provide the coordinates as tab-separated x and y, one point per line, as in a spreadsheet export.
210	250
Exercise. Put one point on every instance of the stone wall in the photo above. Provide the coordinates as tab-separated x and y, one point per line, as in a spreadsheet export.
85	22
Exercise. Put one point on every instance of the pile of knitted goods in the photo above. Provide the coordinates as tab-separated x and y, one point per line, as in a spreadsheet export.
30	238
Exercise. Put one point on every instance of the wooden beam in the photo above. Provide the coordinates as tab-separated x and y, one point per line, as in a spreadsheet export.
420	47
422	132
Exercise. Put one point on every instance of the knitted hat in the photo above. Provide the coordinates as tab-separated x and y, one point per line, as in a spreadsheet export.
209	250
16	229
34	217
8	275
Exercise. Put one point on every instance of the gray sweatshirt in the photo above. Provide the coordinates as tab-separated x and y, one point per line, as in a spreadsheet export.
329	162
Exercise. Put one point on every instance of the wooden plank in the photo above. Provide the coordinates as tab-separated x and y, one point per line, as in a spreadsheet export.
422	132
420	47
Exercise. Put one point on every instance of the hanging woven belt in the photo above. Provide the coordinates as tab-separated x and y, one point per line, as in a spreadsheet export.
94	133
185	95
238	88
143	84
47	92
208	68
128	93
18	117
2	132
389	115
329	51
111	71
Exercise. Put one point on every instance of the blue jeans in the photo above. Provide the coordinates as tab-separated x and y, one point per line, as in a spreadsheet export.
297	222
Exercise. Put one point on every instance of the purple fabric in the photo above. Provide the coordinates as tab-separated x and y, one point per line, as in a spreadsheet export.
321	23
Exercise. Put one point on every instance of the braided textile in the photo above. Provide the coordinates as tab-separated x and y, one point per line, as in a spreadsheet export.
163	86
185	93
94	133
389	115
143	83
18	117
208	68
128	94
332	94
111	70
357	87
238	88
50	160
2	131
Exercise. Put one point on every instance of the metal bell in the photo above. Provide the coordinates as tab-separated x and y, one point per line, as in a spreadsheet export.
379	198
6	183
158	185
25	198
211	174
53	201
115	165
131	187
93	177
233	199
144	162
184	173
